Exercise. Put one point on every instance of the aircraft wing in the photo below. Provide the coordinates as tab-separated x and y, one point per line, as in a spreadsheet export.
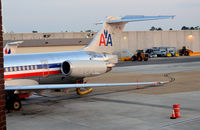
63	86
132	18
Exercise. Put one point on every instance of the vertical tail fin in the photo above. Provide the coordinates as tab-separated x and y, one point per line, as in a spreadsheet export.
104	40
107	40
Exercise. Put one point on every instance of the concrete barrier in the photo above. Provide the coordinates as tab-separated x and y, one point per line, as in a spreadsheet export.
129	40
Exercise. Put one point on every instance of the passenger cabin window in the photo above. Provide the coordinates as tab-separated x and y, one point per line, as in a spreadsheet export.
21	68
11	69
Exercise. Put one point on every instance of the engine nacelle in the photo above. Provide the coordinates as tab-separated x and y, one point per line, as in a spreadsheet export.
84	68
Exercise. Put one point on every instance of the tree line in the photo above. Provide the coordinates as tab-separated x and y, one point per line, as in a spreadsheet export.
183	28
153	28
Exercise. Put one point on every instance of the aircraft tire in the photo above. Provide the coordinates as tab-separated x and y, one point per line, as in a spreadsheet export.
16	105
12	101
133	58
187	53
146	58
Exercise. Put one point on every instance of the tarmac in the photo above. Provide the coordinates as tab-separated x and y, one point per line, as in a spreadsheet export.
116	108
161	60
160	68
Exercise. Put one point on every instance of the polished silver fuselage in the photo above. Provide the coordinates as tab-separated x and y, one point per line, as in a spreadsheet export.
46	59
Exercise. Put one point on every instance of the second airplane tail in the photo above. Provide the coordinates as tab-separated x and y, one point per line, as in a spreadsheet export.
11	47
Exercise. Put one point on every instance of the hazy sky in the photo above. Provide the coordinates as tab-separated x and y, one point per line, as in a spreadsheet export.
77	15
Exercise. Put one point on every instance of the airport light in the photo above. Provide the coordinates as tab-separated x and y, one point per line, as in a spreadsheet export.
190	37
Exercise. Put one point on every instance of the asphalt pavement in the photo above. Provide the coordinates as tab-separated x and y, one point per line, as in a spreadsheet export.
161	60
125	109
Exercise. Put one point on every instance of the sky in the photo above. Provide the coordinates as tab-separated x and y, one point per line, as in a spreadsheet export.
23	16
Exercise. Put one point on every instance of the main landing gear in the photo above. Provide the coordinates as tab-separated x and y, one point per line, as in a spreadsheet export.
13	101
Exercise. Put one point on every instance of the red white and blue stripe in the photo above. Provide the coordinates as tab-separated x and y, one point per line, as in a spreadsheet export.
31	70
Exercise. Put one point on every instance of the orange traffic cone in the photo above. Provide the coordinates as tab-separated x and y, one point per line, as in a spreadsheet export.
176	108
173	115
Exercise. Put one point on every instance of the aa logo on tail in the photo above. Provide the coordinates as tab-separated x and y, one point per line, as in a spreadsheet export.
7	51
105	39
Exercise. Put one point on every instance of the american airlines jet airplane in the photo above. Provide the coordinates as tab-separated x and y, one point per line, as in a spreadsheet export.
63	70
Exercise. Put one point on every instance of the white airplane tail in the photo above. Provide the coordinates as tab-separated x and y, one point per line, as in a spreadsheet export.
107	40
11	47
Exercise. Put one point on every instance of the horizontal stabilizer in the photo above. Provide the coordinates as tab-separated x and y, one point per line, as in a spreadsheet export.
15	43
133	18
63	86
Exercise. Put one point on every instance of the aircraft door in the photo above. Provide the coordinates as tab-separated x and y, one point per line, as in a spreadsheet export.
45	68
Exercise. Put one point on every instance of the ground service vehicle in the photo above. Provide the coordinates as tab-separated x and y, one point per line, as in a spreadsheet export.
185	51
159	51
150	53
140	56
171	50
126	55
163	51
